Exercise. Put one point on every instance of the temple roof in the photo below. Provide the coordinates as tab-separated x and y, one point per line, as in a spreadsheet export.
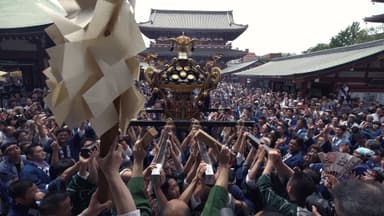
185	20
236	67
26	13
379	18
376	18
315	62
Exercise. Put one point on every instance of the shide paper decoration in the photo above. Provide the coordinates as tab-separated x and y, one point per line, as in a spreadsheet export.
91	74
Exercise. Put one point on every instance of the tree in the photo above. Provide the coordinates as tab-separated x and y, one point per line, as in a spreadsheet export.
376	33
318	47
353	34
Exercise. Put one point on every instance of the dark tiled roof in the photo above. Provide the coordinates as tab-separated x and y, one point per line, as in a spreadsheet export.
25	13
316	61
376	18
188	19
237	67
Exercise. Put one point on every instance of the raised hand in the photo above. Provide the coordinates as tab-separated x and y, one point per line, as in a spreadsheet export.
315	212
147	172
139	152
274	155
95	207
39	119
280	141
201	171
194	149
224	156
111	162
55	146
330	181
261	153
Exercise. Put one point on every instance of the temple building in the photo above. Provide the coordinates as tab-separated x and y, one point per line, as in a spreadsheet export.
215	30
359	66
23	40
378	18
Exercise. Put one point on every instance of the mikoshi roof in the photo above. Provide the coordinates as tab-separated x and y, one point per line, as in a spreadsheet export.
26	13
316	61
189	19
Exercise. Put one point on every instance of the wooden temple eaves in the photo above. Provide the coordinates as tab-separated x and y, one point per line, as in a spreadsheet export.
173	22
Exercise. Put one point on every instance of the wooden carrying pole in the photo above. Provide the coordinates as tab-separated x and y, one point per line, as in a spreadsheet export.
207	139
105	143
109	137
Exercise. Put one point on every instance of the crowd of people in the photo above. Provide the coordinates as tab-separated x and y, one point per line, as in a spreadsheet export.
50	169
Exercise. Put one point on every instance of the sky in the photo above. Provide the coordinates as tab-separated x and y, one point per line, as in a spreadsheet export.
287	26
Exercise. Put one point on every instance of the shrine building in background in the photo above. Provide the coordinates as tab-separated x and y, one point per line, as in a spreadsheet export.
215	31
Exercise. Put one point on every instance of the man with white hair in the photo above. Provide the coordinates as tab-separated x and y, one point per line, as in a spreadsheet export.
378	115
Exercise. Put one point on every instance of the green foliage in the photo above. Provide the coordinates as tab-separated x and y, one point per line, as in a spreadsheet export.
318	47
353	34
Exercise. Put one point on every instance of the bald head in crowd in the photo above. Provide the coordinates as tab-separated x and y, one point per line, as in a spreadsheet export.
176	207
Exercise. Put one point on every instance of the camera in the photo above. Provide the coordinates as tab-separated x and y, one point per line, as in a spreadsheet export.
323	206
85	151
